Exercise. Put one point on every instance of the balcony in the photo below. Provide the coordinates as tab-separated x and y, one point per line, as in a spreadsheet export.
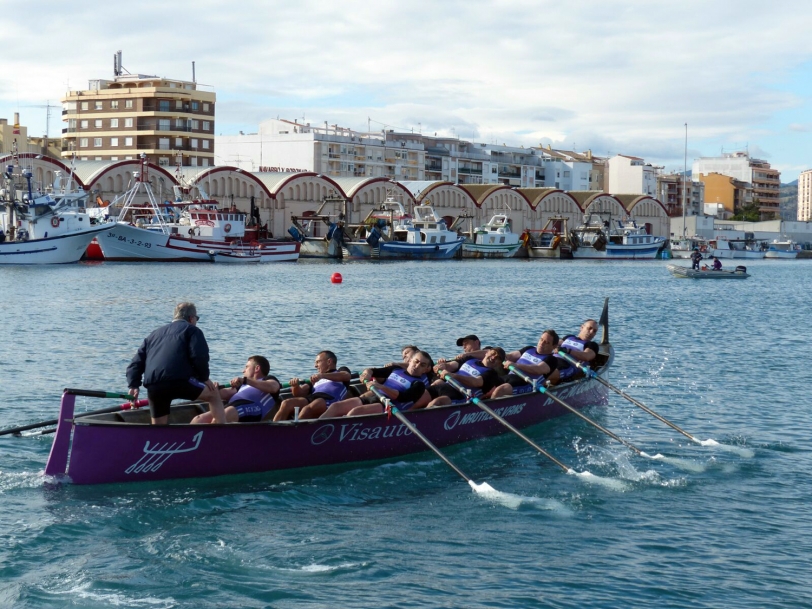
470	170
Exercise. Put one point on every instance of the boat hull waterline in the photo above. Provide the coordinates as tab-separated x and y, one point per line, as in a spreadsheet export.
88	452
61	249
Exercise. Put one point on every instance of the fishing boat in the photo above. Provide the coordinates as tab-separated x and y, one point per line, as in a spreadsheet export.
684	272
597	239
683	248
492	240
395	234
43	228
185	231
304	229
549	242
782	248
124	447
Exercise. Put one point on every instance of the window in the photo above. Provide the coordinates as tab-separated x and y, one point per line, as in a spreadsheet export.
85	106
206	126
113	123
205	144
97	142
164	124
195	106
204	162
178	106
195	124
566	174
163	143
83	124
205	107
82	142
193	161
163	161
113	158
128	103
98	158
84	158
163	105
114	104
126	158
193	143
180	123
98	105
178	142
128	141
113	141
128	122
97	123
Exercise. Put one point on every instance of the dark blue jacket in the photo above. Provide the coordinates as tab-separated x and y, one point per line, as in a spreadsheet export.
174	352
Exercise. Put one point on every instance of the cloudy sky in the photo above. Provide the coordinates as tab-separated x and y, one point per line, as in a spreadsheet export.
613	76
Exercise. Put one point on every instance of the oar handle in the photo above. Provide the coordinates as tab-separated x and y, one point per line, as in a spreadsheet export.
578	364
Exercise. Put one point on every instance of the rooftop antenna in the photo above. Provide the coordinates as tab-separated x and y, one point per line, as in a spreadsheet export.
193	72
684	177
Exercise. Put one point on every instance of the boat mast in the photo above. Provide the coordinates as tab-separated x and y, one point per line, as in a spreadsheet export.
684	178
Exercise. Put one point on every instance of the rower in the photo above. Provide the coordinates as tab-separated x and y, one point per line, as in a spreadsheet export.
328	385
251	397
471	347
407	389
537	362
481	376
580	347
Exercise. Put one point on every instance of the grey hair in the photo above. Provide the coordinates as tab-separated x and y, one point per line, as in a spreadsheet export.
185	311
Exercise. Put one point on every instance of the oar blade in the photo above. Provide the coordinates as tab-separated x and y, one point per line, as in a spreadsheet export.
610	483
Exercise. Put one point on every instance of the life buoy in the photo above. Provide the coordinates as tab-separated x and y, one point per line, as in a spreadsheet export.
55	222
703	249
556	240
227	228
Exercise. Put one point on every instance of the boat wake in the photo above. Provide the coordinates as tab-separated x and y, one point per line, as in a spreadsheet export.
747	453
316	568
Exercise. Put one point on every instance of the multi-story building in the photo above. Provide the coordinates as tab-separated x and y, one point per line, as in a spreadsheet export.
765	181
670	191
132	114
805	196
631	175
726	192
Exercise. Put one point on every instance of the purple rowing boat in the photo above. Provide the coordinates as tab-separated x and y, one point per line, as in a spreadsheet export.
124	447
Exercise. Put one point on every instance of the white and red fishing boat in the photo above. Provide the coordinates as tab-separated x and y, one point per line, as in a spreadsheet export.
184	231
122	446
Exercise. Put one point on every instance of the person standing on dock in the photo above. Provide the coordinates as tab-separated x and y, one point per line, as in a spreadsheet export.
174	364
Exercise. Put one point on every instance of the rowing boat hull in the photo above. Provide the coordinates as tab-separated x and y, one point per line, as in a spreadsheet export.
98	452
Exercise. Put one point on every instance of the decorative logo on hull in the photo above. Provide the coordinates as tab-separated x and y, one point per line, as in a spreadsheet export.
154	457
322	434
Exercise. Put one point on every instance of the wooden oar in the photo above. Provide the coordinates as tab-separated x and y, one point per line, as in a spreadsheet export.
542	389
483	406
592	374
410	426
125	406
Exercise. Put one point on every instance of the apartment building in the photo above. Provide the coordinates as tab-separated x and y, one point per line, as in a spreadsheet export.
631	175
670	190
805	196
131	114
726	193
764	180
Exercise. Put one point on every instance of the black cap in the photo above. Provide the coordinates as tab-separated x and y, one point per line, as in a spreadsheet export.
464	338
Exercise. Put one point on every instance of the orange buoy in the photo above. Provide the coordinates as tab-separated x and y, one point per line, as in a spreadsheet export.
336	278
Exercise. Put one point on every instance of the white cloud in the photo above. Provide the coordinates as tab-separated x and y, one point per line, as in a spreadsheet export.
622	76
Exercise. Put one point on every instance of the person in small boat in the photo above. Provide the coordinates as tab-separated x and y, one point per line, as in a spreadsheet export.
251	396
696	258
537	362
328	385
407	388
717	264
471	347
172	360
479	375
580	347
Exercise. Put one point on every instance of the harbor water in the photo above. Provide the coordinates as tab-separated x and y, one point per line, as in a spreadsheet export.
697	526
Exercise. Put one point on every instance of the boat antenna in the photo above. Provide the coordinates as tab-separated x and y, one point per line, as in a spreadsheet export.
684	179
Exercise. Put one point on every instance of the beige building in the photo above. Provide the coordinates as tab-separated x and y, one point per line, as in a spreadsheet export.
764	180
805	196
118	119
728	192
